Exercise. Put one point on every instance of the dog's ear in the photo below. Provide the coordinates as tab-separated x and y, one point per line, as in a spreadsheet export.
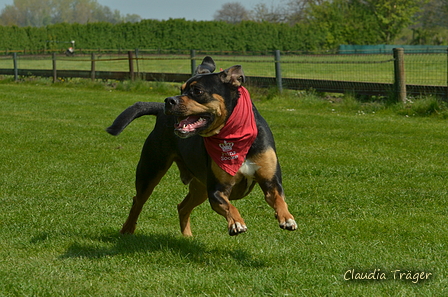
207	66
233	75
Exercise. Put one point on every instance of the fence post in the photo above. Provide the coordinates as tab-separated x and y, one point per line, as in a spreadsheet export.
55	76
131	65
278	71
193	61
400	75
16	70
136	61
92	66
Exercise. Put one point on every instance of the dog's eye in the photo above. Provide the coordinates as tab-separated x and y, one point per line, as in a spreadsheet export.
196	91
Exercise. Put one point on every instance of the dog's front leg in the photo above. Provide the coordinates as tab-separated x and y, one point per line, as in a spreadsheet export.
269	177
219	189
276	199
221	204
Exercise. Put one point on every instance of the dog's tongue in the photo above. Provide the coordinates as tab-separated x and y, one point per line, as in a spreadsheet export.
189	124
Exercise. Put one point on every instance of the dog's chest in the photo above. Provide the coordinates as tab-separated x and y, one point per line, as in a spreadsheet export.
245	180
248	169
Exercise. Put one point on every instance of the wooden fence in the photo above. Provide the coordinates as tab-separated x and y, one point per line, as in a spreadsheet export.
398	88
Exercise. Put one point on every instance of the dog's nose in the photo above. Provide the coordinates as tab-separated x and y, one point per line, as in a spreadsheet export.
170	103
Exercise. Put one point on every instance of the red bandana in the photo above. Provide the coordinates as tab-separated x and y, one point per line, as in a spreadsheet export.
229	147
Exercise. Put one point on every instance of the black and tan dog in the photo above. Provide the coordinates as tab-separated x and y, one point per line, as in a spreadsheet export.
220	143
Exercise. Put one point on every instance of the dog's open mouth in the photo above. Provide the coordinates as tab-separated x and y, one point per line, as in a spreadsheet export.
187	126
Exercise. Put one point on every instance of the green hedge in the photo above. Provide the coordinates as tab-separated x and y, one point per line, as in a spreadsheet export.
172	34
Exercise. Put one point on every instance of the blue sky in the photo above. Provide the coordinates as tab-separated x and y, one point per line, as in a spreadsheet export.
200	10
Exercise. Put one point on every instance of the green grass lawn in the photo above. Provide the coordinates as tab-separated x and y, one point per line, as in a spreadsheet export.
368	190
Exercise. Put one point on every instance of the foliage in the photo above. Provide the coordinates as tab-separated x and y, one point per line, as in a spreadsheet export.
170	34
428	36
426	106
340	22
232	12
293	25
38	13
392	16
272	14
434	13
362	22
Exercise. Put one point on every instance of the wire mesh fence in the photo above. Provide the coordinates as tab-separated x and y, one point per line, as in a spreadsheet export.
425	69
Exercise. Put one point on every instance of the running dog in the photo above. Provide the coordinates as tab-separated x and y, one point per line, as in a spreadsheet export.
218	140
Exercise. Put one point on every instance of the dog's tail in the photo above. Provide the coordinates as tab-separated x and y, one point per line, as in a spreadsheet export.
132	112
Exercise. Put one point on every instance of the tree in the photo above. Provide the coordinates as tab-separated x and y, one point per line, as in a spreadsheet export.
392	16
299	10
38	13
82	12
272	14
362	21
232	12
432	24
343	22
286	11
34	13
434	14
132	18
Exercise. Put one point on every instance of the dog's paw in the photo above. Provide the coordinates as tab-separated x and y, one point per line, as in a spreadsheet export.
236	229
289	224
128	228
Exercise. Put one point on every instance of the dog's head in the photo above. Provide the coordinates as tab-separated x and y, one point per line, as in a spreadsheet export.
207	99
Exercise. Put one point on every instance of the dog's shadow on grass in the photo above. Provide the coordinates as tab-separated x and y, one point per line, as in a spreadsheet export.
113	244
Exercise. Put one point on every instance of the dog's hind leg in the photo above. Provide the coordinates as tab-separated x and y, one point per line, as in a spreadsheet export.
150	171
139	200
196	196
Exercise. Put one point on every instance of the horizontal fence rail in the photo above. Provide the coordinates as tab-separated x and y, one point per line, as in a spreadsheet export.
396	74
